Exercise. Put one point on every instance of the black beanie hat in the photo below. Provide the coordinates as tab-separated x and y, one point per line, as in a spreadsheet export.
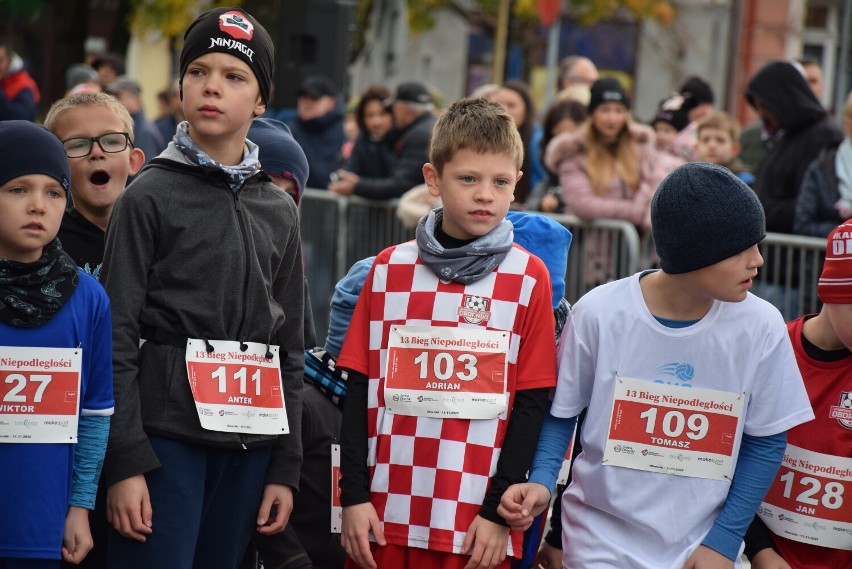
279	153
702	214
672	111
696	91
28	148
235	32
607	90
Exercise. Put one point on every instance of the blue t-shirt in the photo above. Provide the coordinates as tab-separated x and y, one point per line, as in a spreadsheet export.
35	479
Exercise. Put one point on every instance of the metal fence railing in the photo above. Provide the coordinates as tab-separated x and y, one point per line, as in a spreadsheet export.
339	231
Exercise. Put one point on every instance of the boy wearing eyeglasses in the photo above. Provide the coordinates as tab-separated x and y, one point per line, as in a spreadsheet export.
97	134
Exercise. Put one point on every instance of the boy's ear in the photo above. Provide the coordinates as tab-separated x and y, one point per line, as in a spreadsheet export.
137	160
259	107
430	176
736	148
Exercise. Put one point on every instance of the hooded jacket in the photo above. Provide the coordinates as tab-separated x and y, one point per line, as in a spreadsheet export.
187	257
807	130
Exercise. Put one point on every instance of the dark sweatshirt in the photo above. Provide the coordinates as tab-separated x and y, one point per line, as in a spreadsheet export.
187	257
782	89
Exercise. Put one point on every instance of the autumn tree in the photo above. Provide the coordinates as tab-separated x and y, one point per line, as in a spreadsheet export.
524	27
170	17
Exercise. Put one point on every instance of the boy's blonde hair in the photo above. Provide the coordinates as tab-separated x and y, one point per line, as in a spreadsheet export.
474	124
720	120
89	99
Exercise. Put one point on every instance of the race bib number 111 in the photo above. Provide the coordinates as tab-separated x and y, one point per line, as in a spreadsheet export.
237	390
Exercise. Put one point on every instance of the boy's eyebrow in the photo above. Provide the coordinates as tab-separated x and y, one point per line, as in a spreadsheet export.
230	67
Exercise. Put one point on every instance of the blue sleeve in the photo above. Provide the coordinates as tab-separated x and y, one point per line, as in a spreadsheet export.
538	172
556	433
757	466
98	396
92	435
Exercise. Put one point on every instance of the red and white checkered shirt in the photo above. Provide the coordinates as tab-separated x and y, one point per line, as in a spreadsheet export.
429	476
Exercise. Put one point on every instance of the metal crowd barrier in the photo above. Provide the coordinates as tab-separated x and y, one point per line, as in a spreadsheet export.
791	268
602	250
788	279
339	231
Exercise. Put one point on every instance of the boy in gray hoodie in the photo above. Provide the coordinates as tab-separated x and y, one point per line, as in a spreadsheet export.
204	263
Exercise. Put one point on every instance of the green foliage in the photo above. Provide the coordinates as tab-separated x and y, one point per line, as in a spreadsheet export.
170	17
421	12
26	9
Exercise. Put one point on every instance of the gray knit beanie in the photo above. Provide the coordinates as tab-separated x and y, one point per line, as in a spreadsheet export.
702	214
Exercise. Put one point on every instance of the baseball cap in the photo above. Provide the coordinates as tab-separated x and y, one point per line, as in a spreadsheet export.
316	86
411	92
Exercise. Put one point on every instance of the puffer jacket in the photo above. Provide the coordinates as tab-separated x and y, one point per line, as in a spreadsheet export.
566	154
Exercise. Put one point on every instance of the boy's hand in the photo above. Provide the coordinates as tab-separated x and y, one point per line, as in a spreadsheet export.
549	203
129	508
706	558
488	541
548	557
521	503
77	538
358	521
768	559
274	509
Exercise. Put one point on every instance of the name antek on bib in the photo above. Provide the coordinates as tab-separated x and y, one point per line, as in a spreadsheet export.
685	431
236	388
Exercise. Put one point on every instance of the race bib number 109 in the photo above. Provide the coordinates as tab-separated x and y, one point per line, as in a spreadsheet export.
685	431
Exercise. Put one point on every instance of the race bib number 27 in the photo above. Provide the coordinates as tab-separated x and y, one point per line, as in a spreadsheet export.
39	394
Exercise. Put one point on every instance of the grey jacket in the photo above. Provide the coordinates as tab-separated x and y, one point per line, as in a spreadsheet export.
188	257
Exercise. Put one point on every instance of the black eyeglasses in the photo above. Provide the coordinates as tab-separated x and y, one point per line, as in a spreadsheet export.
110	142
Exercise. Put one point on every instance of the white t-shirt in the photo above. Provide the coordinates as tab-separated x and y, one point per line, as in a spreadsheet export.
618	517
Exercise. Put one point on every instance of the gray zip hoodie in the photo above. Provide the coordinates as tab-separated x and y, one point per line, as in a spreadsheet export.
187	257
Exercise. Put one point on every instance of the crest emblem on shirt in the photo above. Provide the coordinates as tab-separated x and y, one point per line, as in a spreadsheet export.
236	26
843	410
474	309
